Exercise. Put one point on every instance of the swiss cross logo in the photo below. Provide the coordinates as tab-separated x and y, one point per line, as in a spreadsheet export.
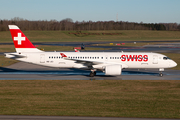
19	38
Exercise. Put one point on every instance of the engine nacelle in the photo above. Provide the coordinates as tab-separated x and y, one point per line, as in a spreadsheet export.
113	70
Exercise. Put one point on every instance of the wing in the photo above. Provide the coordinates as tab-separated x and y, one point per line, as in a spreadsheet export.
84	62
92	64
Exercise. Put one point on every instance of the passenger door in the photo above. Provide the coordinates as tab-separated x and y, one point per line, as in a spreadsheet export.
155	59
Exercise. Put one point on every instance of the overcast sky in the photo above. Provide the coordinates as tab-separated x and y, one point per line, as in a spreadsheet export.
147	11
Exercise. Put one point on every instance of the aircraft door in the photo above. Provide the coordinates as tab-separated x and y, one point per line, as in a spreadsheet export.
42	58
155	59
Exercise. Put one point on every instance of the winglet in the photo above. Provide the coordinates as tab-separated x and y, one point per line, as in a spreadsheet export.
63	55
76	50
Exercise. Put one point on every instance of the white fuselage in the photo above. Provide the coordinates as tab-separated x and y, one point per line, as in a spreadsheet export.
125	59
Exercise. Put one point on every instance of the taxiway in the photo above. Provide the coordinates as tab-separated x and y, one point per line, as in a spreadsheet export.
26	71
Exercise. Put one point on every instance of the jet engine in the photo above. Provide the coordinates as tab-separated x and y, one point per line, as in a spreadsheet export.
113	70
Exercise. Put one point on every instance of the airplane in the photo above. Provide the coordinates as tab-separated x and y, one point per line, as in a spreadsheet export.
111	63
76	49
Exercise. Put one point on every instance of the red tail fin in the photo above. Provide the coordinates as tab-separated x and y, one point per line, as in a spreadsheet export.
19	39
21	42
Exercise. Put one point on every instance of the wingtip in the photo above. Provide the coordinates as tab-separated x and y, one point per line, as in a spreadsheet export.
13	27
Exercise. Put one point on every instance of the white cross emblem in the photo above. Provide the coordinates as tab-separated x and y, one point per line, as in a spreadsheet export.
19	38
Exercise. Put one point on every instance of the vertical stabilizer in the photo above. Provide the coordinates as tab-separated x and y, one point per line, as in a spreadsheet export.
21	42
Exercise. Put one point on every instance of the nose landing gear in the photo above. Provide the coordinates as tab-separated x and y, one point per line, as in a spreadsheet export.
161	74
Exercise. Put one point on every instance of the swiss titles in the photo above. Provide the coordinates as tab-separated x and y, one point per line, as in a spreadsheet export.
134	58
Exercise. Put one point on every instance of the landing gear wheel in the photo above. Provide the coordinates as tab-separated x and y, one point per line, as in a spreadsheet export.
94	72
160	74
91	74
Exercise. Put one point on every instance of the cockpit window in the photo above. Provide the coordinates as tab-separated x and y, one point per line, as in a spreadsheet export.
166	58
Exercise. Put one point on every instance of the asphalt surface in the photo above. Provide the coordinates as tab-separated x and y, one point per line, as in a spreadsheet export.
26	71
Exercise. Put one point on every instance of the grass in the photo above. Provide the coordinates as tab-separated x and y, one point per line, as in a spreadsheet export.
63	36
116	98
7	48
64	48
6	61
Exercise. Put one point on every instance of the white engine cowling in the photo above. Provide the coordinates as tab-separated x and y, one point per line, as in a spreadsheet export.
113	70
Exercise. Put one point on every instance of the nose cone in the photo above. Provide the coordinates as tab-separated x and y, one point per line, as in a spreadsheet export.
173	64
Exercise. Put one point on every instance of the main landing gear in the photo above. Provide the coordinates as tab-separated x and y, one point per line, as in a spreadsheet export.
92	73
161	74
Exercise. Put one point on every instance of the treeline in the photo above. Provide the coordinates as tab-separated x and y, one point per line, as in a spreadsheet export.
68	25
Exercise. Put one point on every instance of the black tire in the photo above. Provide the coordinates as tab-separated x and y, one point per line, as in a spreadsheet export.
160	74
91	74
94	73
